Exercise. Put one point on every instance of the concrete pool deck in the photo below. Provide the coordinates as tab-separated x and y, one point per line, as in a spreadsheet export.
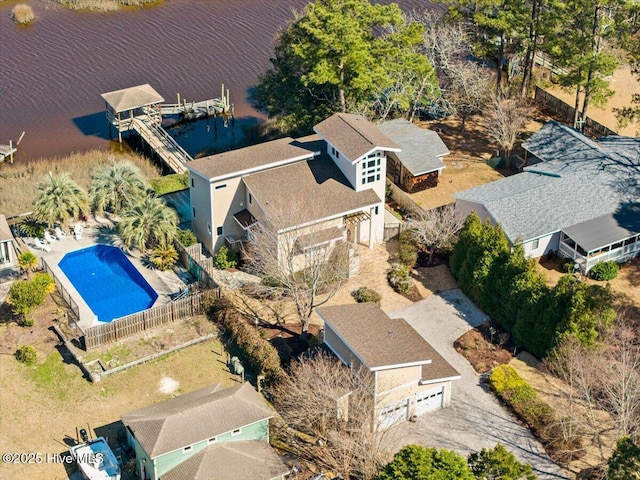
166	284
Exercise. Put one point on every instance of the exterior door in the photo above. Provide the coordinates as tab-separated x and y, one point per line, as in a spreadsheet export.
392	414
429	400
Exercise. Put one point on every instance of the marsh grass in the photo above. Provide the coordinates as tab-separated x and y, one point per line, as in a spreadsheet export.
103	5
19	182
22	14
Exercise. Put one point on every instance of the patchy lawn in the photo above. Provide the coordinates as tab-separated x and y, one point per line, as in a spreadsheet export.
42	405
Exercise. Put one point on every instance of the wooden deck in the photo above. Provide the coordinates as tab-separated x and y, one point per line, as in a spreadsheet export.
163	144
196	110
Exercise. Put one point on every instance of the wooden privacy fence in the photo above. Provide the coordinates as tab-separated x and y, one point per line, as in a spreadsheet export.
198	264
154	317
566	112
392	230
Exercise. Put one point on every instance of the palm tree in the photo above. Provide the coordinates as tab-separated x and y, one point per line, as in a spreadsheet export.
148	223
116	184
59	199
27	262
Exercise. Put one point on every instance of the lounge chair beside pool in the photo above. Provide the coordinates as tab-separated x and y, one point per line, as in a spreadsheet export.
60	234
41	244
48	237
77	231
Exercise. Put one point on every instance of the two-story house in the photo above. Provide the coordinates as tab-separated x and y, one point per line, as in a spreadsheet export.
336	178
211	433
409	377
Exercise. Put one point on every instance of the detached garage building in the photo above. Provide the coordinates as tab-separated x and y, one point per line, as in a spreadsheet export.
410	377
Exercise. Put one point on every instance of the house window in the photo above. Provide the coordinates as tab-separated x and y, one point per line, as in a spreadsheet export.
236	432
535	244
192	185
187	449
209	228
370	171
193	212
212	440
219	230
376	210
220	187
250	199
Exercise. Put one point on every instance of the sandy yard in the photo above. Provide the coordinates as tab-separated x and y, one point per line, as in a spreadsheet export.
625	85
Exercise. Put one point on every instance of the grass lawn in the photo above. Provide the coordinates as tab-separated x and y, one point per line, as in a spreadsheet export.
42	405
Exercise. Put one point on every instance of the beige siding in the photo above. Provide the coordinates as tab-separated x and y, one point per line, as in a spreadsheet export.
397	377
340	348
226	202
200	195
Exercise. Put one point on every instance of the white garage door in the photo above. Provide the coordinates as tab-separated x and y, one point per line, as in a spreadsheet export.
429	400
392	414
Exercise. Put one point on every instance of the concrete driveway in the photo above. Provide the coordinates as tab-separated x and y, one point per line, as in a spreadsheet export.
475	419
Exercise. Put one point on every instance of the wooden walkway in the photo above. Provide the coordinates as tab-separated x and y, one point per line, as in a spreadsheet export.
196	110
163	144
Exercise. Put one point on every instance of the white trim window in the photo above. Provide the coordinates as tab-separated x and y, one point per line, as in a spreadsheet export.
535	244
371	169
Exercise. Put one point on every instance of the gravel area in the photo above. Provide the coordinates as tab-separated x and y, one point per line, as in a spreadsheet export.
475	419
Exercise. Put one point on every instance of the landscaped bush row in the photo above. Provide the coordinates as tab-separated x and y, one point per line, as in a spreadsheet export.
262	357
399	278
508	287
523	400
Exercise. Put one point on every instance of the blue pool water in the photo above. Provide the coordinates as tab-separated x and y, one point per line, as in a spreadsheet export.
107	281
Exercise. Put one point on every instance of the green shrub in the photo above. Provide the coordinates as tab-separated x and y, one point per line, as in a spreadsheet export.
366	294
399	278
407	249
26	295
44	283
174	182
32	227
186	237
605	271
225	258
260	354
518	395
26	355
568	265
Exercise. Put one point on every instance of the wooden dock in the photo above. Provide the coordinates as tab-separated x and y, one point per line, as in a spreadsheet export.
163	144
7	151
141	108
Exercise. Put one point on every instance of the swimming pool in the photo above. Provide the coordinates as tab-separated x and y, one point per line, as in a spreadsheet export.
107	281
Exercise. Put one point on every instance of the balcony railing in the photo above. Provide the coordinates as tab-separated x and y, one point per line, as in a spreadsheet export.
586	263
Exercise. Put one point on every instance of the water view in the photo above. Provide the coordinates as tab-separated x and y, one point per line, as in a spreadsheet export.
56	68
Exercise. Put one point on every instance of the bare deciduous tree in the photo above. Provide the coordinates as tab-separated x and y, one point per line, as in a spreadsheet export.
307	273
621	378
328	409
505	119
436	228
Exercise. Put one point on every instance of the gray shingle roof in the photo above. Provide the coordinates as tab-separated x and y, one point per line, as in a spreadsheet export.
132	97
282	151
603	230
380	341
196	416
353	135
579	182
253	460
317	185
422	149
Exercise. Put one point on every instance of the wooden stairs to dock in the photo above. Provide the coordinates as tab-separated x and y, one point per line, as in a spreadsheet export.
163	144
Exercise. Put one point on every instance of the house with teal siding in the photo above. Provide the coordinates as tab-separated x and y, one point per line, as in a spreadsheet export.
212	433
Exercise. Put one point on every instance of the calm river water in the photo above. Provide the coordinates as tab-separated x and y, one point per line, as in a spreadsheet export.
53	72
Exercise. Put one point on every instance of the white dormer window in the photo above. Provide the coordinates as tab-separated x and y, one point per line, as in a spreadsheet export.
370	171
187	449
237	431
